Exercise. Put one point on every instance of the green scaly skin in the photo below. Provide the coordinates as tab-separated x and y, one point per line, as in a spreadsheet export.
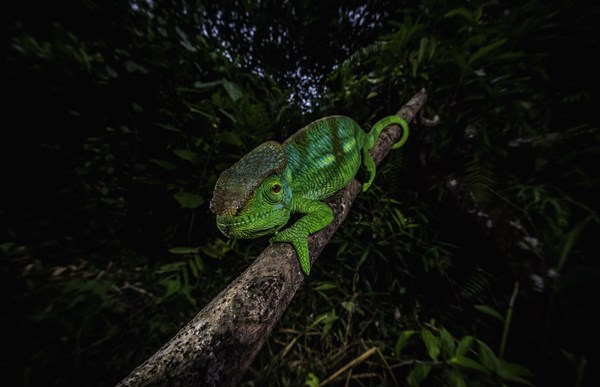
257	195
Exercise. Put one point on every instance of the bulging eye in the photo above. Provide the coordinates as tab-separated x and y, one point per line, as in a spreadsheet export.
276	188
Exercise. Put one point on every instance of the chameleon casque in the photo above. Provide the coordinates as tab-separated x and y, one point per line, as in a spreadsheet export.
257	195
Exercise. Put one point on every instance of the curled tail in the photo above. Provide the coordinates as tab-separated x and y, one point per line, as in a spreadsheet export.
371	138
382	124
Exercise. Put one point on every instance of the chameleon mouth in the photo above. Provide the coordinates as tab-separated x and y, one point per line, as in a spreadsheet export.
242	227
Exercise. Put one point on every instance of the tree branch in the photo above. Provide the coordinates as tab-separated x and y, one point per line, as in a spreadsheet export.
222	340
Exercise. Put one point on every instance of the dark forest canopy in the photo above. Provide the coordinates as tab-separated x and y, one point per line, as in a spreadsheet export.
478	234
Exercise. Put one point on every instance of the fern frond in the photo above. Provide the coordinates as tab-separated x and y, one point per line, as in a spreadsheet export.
476	286
361	55
480	181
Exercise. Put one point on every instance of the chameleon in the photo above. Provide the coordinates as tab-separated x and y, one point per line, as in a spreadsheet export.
258	194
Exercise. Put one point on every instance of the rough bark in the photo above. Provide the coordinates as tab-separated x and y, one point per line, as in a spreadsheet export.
222	340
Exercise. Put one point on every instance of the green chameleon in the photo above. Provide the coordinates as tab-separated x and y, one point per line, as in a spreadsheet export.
257	195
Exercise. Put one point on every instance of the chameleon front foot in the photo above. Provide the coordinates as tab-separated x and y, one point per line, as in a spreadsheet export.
300	244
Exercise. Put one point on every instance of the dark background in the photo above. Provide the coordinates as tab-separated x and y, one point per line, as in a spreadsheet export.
119	117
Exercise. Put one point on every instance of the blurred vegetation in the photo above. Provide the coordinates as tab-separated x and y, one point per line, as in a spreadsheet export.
470	262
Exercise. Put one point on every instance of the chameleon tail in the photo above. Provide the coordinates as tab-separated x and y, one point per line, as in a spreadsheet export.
382	124
370	142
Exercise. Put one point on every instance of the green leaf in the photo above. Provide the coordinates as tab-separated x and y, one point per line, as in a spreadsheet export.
233	90
173	286
432	343
402	341
170	267
184	250
188	46
468	363
456	378
422	49
514	372
231	138
483	51
188	199
568	243
327	320
414	63
133	67
170	128
218	248
489	311
418	374
199	263
477	14
196	265
475	40
188	155
348	305
447	341
311	380
164	164
487	357
460	12
193	268
204	85
432	47
464	345
228	115
137	108
363	257
326	286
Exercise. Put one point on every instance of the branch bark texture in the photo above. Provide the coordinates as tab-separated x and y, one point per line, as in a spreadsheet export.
222	340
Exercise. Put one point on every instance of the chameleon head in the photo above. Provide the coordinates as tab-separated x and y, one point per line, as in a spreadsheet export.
250	198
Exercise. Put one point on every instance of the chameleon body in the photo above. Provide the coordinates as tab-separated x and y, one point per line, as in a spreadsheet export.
257	195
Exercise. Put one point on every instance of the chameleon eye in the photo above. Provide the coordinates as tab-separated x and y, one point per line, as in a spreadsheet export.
276	188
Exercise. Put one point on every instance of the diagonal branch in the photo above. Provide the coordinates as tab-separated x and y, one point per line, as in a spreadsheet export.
222	340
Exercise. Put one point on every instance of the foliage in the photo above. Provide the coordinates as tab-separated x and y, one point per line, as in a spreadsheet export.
470	261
